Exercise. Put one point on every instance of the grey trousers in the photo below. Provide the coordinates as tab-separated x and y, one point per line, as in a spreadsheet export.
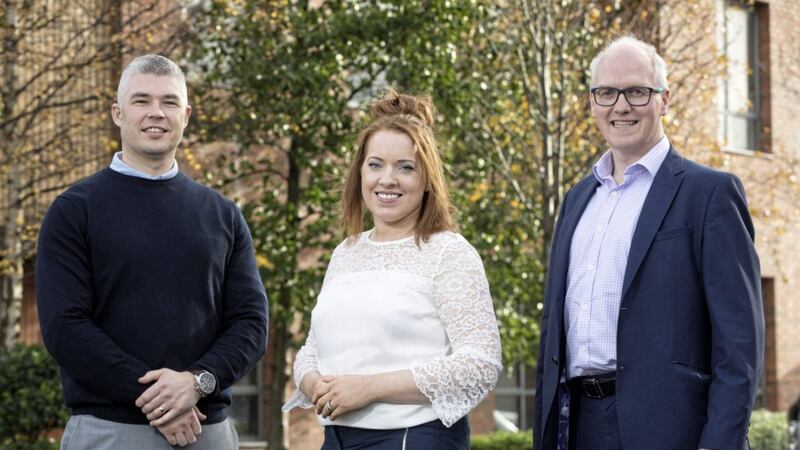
84	432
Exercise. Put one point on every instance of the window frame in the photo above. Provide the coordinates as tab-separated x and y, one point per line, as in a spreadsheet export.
753	116
239	390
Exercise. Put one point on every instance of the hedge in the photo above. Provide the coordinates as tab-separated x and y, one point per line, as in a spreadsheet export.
503	440
768	431
31	401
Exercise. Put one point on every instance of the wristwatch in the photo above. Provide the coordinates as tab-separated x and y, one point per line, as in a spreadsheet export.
204	382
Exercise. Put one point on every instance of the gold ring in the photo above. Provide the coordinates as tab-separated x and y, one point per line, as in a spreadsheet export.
162	410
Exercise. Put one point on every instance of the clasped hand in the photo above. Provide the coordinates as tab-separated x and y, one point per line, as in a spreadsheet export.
169	405
345	393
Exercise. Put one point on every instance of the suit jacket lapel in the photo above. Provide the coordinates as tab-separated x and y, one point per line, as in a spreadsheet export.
656	204
583	193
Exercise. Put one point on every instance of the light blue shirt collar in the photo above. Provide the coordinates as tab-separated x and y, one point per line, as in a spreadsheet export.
118	165
651	161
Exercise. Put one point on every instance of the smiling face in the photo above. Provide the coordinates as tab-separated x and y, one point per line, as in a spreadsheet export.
392	184
630	130
151	116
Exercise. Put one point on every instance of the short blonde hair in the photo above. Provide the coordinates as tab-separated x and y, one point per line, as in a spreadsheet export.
413	116
659	65
153	64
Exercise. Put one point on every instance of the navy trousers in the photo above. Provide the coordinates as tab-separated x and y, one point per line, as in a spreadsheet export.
593	423
432	435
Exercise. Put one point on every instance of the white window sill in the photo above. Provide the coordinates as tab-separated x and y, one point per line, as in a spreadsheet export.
746	152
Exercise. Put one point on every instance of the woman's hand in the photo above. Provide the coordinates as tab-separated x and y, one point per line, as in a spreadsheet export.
345	393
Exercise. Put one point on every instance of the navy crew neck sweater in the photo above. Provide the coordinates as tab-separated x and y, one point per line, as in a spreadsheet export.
134	275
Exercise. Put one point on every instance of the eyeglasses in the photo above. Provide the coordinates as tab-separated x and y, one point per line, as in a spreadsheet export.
635	95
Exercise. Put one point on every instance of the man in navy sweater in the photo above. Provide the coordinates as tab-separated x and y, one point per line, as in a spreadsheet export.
148	292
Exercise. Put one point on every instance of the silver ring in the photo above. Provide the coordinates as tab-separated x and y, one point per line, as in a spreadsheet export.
329	407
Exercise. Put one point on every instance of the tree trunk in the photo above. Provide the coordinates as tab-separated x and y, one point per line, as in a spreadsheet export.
549	189
275	380
279	332
12	265
11	247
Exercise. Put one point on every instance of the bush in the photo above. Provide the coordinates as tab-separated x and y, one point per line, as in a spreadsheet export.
41	444
31	401
503	440
769	430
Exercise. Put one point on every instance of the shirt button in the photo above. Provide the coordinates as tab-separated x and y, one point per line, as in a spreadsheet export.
590	267
614	193
584	306
599	228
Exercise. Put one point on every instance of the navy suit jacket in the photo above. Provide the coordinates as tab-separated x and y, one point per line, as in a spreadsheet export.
690	336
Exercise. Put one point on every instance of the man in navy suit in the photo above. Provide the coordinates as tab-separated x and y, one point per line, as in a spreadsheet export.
653	329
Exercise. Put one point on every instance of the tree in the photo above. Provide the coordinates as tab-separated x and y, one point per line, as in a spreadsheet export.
59	63
282	83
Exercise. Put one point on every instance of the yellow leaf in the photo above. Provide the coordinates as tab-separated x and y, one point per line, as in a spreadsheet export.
263	262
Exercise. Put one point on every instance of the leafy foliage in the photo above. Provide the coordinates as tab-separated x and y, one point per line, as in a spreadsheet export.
42	444
768	430
503	440
31	402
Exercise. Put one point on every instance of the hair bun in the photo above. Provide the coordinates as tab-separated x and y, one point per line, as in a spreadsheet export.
394	104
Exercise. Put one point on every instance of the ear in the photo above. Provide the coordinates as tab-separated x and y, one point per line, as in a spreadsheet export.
116	114
665	102
188	114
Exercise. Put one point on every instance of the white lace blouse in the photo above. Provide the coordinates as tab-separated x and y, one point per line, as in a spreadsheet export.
387	306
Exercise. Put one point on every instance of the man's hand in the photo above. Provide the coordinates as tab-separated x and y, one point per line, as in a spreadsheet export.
345	393
172	395
183	429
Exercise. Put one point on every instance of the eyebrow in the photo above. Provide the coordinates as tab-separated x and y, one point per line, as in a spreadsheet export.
146	95
399	160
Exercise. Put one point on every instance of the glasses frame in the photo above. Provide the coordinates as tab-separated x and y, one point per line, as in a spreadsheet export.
624	92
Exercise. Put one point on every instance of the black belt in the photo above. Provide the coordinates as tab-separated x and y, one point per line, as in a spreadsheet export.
595	387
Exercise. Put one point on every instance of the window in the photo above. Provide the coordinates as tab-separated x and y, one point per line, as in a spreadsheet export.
514	399
743	41
246	409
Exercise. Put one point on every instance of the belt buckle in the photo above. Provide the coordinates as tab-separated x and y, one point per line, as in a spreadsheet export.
599	391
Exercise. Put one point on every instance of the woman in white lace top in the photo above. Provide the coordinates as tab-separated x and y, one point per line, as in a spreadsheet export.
403	340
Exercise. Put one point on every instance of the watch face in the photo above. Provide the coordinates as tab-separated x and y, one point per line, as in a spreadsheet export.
206	382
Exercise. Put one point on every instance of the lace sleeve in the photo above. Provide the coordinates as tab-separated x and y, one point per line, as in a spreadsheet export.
457	382
304	362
